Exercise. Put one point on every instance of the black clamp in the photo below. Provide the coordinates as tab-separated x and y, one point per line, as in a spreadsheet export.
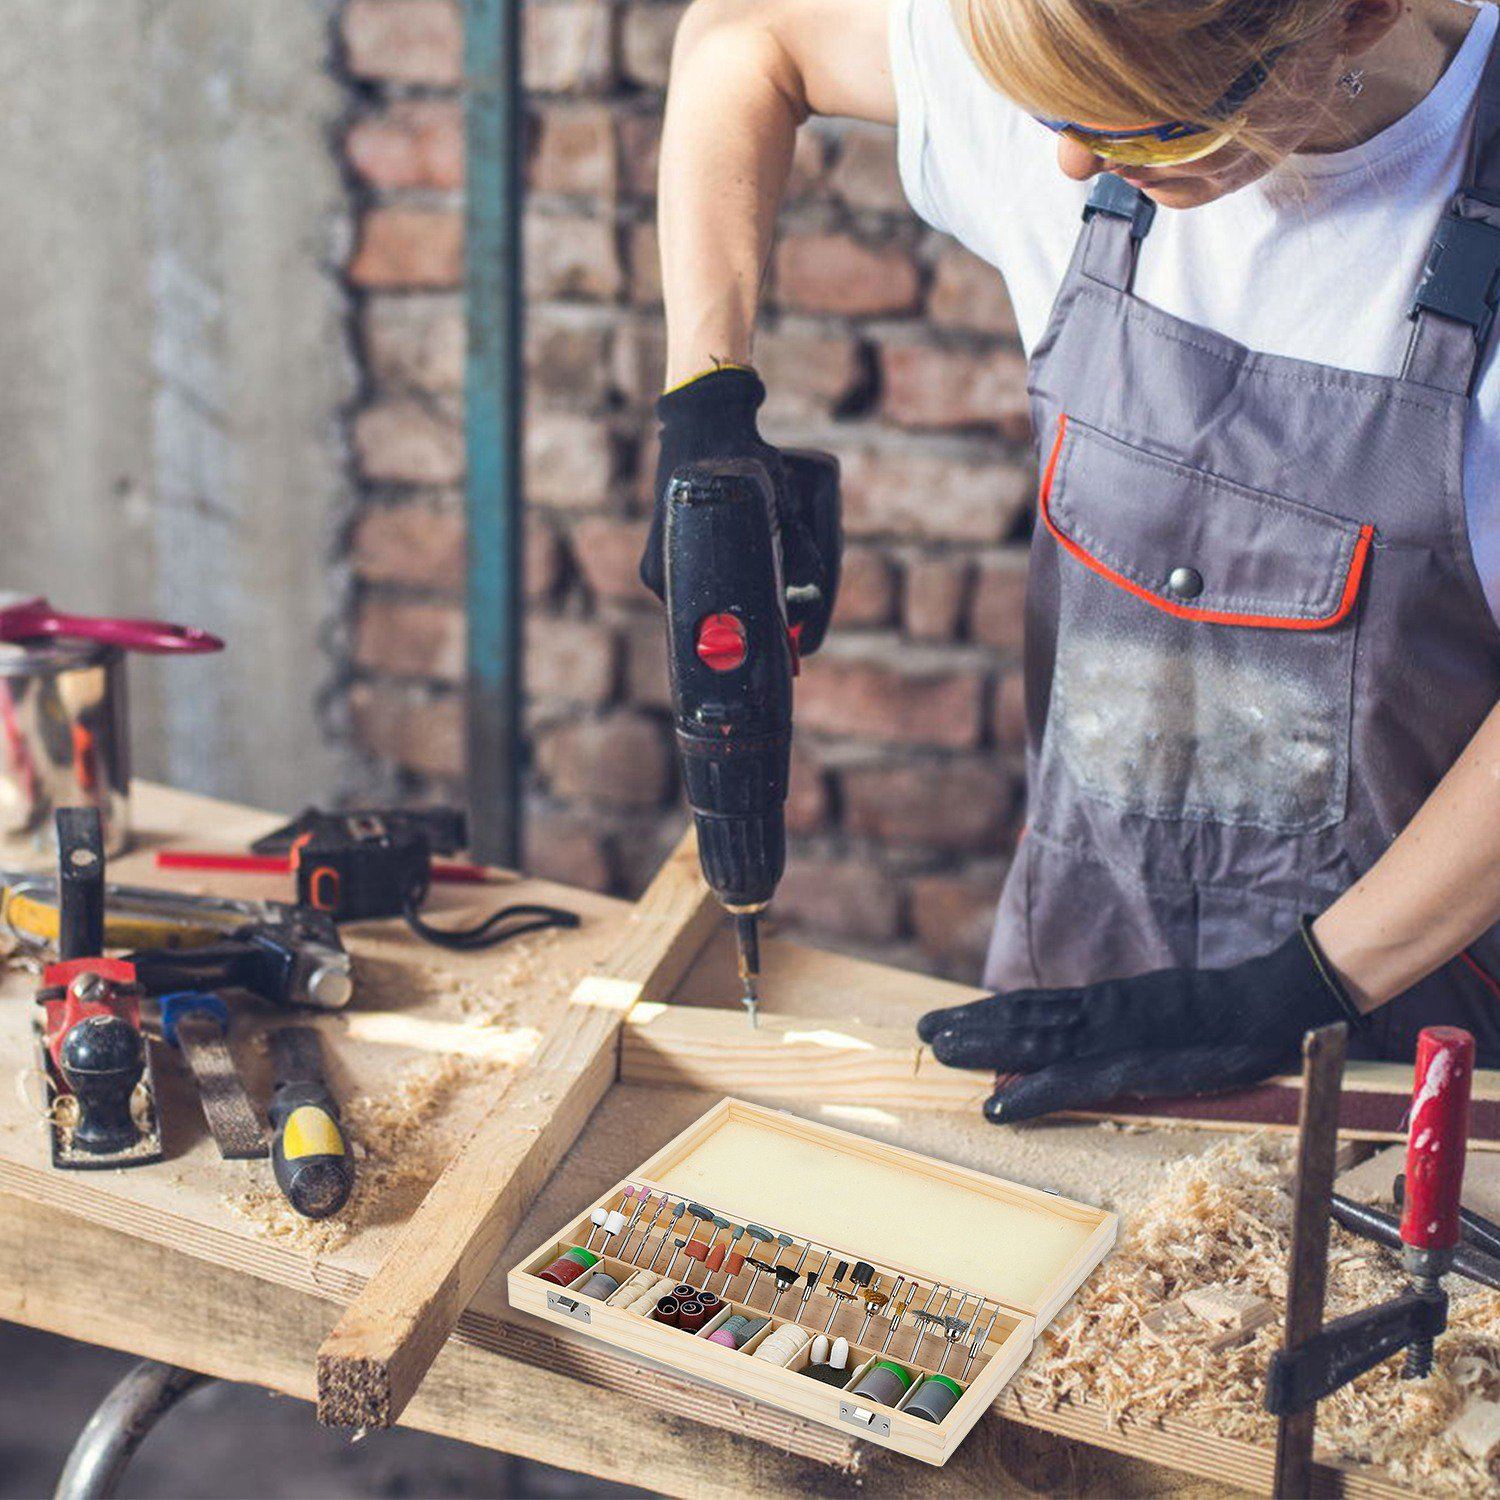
1113	195
1459	278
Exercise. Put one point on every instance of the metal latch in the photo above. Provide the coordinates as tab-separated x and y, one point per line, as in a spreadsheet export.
869	1421
568	1306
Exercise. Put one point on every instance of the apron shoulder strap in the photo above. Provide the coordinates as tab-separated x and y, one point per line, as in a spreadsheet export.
1116	218
1454	306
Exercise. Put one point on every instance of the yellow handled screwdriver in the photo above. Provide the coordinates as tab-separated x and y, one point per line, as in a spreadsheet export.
310	1155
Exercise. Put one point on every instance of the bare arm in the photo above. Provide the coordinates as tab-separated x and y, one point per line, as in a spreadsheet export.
745	75
1432	892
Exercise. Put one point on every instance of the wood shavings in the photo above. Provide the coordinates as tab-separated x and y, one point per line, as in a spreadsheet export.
400	1144
1477	1430
1222	1219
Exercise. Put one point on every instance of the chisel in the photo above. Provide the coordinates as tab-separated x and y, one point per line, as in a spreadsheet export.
311	1158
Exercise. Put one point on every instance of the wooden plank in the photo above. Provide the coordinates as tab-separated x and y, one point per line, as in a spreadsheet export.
542	1398
236	1327
848	1063
375	1356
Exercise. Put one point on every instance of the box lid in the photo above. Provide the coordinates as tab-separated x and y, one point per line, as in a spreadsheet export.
1023	1247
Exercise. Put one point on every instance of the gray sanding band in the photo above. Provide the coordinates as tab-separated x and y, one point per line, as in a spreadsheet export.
601	1284
933	1401
882	1385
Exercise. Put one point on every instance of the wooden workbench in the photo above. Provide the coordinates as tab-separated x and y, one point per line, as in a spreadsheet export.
188	1279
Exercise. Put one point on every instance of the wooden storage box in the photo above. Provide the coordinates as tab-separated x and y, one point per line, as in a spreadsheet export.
1018	1254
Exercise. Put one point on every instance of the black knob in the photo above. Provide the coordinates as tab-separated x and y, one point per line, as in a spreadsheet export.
102	1059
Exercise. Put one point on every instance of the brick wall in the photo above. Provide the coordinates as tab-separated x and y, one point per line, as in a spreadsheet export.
881	341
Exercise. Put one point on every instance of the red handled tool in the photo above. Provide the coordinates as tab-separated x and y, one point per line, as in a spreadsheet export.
35	619
1316	1361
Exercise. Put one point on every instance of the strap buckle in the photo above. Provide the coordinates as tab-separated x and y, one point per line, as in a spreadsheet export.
1113	195
1459	278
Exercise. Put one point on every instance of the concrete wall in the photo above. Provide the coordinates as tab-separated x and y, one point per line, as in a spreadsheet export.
173	358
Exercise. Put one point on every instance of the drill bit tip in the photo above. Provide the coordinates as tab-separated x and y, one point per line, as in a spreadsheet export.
747	942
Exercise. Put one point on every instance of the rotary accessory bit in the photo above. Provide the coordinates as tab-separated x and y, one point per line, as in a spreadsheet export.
761	1236
926	1320
733	1260
812	1283
979	1341
875	1299
661	1204
666	1235
956	1327
899	1312
642	1199
597	1218
717	1249
695	1248
614	1220
840	1297
786	1277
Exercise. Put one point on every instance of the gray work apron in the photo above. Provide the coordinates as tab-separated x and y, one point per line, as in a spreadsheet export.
1256	638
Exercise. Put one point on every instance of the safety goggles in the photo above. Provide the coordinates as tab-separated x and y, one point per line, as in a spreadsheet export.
1172	142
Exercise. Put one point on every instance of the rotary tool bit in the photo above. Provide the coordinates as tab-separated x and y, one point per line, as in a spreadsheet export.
956	1327
733	1260
926	1320
666	1235
761	1236
899	1312
840	1297
875	1299
979	1341
699	1214
812	1283
784	1284
661	1204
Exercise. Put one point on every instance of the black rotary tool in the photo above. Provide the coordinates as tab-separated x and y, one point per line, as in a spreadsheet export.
751	577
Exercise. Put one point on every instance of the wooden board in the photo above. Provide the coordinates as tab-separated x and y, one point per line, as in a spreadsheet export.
854	1063
214	1289
370	1364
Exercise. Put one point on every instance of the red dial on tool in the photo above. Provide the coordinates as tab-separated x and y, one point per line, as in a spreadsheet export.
1437	1139
721	642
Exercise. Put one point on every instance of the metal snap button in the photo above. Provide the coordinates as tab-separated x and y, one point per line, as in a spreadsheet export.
1186	583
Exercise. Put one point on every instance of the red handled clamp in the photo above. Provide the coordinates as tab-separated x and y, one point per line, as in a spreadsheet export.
1429	1234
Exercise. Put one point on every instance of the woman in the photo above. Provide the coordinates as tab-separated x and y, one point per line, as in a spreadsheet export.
1262	655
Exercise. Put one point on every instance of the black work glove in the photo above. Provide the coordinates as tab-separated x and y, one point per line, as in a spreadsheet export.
1173	1032
710	417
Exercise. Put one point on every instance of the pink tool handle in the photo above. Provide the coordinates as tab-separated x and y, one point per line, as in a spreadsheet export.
32	619
1438	1137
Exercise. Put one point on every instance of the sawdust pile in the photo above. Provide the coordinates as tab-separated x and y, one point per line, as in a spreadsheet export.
395	974
400	1146
1225	1216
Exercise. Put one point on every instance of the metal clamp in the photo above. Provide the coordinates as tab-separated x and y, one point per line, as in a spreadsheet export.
864	1419
570	1307
1459	277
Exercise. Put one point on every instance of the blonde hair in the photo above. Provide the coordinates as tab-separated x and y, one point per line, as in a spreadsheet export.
1117	61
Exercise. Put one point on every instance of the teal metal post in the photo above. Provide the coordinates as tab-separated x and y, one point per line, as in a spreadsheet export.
492	422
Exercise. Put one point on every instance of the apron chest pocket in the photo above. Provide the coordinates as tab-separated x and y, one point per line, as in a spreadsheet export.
1205	646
